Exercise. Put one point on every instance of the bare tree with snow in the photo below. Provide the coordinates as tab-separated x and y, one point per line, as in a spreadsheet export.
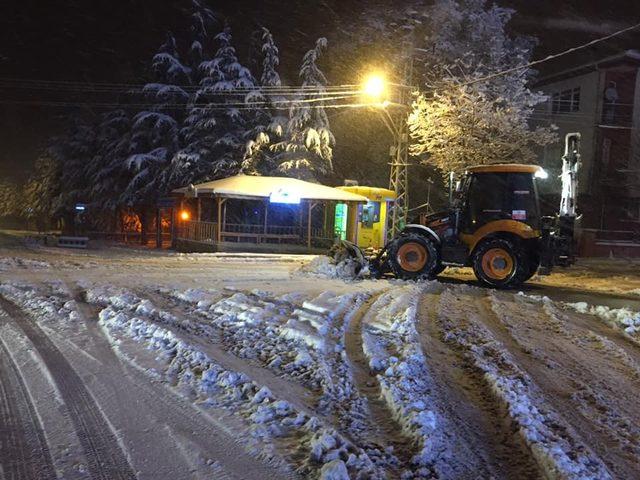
460	118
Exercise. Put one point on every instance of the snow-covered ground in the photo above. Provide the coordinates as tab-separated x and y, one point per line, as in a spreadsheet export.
261	366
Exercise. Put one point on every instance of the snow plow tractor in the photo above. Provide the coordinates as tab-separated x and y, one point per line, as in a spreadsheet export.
493	224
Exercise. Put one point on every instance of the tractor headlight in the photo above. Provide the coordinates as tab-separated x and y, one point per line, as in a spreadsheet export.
541	173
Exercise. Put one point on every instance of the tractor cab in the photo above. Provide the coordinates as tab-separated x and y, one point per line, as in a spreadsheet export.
498	192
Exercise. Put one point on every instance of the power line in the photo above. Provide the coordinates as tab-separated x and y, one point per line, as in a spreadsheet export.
554	56
206	106
126	87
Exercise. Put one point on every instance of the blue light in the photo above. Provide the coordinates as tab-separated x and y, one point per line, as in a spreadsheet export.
283	196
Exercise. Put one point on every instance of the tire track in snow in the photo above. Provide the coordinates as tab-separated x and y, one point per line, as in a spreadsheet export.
577	379
181	419
486	443
383	429
24	453
559	450
105	458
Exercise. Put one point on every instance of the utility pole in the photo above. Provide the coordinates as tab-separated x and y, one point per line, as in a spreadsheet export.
399	152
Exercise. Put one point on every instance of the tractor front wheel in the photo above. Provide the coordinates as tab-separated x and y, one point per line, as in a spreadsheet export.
413	256
501	263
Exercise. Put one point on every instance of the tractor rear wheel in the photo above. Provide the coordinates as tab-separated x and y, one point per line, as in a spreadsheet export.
501	263
413	256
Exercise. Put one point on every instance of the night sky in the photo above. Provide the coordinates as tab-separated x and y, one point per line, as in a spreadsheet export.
113	41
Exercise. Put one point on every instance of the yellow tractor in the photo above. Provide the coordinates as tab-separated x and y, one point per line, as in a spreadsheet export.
493	224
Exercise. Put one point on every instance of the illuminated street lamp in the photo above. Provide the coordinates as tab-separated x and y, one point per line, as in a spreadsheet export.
374	86
185	215
374	89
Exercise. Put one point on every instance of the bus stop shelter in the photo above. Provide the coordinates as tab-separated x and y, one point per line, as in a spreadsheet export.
256	213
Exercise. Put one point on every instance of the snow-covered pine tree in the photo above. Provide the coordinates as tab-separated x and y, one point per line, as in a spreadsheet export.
154	138
307	150
9	199
72	151
40	191
270	118
109	175
216	125
161	134
461	119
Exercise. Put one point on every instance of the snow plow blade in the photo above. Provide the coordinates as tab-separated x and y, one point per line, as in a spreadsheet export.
347	250
373	266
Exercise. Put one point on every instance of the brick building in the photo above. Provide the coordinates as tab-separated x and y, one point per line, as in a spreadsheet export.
601	100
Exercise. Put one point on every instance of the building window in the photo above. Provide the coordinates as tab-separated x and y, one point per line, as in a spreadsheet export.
566	101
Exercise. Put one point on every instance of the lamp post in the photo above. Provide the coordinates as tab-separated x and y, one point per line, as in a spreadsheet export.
375	90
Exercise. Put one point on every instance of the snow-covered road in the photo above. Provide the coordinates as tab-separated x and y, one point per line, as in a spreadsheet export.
133	364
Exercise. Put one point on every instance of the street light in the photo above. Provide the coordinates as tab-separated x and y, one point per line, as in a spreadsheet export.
374	86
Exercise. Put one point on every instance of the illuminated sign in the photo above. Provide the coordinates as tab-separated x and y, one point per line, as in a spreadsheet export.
282	195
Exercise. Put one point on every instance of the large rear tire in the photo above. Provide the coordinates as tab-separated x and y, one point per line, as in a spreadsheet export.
413	257
501	263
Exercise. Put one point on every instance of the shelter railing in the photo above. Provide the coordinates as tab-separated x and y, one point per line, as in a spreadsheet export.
201	232
207	232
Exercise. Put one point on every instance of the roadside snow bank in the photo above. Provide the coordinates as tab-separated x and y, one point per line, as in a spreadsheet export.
10	263
554	444
623	319
49	305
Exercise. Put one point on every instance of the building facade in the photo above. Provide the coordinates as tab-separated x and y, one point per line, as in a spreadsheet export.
601	100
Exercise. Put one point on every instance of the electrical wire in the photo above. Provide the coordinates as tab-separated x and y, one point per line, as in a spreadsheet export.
206	106
64	85
554	56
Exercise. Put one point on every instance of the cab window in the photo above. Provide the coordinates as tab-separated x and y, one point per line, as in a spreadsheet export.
501	196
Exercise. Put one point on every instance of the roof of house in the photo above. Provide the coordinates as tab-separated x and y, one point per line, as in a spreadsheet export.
285	189
626	56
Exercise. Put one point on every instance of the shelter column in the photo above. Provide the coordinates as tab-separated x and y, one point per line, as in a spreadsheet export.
352	222
219	236
311	206
266	215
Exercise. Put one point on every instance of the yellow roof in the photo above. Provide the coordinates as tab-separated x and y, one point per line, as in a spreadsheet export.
372	193
250	186
505	168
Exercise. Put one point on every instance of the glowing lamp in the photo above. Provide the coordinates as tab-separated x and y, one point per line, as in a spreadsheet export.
185	215
374	86
542	174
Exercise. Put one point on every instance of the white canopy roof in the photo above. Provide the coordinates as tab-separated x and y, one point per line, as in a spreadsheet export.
282	189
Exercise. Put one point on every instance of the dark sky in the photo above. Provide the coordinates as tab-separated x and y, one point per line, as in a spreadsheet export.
113	41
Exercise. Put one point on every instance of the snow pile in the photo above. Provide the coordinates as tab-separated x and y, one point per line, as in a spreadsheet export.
10	263
253	326
555	446
623	319
47	306
327	267
392	346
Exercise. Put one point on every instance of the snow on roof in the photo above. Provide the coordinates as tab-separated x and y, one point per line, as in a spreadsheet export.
250	186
